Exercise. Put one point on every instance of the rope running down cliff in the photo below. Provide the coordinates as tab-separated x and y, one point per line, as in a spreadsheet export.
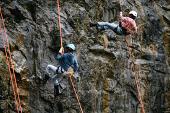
59	23
136	75
61	45
10	65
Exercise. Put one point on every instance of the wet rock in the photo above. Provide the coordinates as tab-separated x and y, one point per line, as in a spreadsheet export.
102	50
167	18
18	12
167	8
20	62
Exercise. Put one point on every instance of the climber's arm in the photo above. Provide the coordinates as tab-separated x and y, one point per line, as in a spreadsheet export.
120	15
60	54
76	66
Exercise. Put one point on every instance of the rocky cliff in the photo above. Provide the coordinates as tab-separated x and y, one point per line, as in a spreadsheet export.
108	75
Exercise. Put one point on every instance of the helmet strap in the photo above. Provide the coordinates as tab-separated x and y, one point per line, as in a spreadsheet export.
131	16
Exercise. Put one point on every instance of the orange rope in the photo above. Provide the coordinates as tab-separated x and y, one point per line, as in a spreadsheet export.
137	84
59	23
139	94
9	62
77	97
61	45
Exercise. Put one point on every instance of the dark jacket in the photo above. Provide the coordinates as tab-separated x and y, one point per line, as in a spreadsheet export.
67	60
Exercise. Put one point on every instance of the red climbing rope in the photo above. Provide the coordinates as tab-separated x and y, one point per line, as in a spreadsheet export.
61	45
139	94
59	23
77	97
137	82
10	66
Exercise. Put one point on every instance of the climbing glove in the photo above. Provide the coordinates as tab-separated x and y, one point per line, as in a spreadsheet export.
61	51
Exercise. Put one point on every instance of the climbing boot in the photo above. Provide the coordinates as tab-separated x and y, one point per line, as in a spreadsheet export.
58	88
92	24
44	78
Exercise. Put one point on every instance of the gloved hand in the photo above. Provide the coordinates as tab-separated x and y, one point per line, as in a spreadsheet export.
76	75
61	51
70	71
121	14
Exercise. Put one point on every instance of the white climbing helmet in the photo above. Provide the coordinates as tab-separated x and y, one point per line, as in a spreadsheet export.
134	13
71	46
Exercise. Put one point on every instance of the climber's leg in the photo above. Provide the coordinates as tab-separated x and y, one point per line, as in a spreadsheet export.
59	87
106	25
60	70
51	69
120	31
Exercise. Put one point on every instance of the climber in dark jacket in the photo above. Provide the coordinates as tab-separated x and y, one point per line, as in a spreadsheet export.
66	60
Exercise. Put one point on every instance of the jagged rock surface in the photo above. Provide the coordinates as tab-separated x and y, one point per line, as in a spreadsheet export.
107	83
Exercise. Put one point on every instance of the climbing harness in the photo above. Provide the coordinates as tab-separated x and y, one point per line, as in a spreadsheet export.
10	65
133	68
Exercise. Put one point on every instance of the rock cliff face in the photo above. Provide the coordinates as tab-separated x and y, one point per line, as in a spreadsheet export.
108	75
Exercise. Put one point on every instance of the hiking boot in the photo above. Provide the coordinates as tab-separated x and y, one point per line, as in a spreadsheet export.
45	78
57	88
92	24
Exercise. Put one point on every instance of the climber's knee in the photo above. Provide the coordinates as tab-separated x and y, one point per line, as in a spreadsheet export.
51	68
60	70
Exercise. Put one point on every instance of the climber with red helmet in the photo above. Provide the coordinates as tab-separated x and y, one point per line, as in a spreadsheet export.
126	26
66	60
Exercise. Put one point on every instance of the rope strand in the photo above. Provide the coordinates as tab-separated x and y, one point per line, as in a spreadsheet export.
59	23
61	45
77	97
136	81
9	63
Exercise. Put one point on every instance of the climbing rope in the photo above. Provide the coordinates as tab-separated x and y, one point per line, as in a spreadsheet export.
136	79
138	90
61	45
10	65
59	23
76	95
